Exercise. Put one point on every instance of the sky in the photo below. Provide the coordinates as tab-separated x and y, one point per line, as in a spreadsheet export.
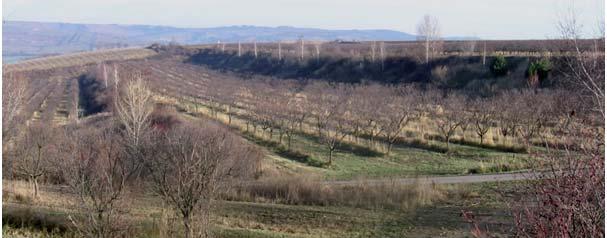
487	19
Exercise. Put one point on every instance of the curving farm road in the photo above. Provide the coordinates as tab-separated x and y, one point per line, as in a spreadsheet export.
442	179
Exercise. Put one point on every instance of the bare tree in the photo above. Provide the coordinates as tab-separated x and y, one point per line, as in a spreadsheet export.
569	199
279	50
105	77
134	107
187	165
328	104
484	52
289	116
14	91
382	53
336	121
359	111
482	115
429	32
532	108
302	48
317	48
469	47
448	118
34	154
507	114
368	106
97	170
116	83
373	51
333	131
396	112
585	68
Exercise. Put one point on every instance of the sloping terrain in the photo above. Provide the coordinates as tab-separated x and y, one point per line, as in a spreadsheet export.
79	59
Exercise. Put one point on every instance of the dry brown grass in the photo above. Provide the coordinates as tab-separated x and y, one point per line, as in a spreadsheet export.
308	190
18	191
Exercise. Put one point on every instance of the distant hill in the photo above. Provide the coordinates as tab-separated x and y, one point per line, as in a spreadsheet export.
33	39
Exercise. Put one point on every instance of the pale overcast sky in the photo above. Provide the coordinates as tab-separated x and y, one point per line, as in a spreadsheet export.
489	19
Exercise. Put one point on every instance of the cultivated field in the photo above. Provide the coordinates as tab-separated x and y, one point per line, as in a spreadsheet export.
78	59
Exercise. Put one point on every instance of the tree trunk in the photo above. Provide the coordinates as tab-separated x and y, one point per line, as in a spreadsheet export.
187	227
330	156
100	225
447	139
372	141
484	52
279	51
427	51
34	182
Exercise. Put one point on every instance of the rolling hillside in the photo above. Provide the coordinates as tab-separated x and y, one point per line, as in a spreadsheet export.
23	40
34	39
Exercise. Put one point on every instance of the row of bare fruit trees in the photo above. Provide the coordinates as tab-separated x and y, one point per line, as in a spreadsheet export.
372	115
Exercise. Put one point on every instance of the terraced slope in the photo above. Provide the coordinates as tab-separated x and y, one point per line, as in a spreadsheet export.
79	59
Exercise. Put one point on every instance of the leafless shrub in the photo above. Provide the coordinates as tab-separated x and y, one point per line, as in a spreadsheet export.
97	170
164	117
566	201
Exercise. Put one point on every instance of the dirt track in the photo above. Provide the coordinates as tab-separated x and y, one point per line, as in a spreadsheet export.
443	179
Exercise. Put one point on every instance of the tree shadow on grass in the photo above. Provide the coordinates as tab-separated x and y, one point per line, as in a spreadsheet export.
346	147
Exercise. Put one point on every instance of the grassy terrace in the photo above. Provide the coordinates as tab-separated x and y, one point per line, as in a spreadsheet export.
355	160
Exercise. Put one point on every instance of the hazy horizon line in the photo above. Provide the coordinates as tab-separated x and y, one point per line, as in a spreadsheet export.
464	37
